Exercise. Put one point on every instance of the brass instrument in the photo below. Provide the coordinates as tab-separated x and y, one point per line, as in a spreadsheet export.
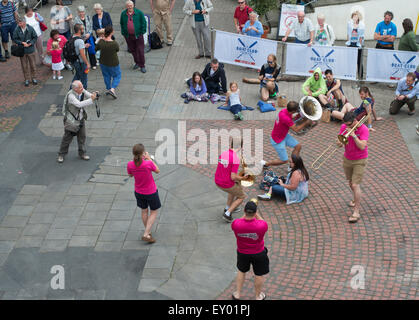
245	171
343	138
310	108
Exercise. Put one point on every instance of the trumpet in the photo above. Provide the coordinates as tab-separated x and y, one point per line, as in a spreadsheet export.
250	180
343	139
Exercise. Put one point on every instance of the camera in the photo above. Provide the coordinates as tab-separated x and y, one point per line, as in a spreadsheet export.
97	94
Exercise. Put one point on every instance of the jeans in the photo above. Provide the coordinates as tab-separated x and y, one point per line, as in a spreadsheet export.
236	108
66	34
304	42
6	30
278	190
111	76
79	68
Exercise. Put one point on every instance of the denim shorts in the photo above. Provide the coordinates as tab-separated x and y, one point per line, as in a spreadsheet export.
288	141
7	29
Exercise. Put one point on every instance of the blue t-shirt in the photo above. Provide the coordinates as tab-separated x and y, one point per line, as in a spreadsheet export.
362	108
7	13
198	17
385	30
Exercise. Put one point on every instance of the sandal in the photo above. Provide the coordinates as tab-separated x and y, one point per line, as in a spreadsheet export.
148	239
351	204
234	297
263	295
354	218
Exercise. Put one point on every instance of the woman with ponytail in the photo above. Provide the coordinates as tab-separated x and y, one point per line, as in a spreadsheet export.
146	193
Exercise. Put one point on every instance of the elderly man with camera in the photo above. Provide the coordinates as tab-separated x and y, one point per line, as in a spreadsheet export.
74	119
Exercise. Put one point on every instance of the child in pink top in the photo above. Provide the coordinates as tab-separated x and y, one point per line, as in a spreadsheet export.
57	63
146	192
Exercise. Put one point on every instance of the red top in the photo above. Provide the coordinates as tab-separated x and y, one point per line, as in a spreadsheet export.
282	125
242	15
249	234
228	162
61	41
56	55
130	24
352	152
144	181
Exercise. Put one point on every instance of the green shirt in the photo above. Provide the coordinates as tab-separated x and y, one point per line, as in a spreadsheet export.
108	53
408	42
198	17
140	24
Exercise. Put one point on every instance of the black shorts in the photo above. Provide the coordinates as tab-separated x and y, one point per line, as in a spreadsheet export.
148	200
259	261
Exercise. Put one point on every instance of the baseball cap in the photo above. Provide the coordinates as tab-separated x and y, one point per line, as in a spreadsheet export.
250	207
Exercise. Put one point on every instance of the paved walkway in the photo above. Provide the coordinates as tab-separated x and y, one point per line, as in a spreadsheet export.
82	215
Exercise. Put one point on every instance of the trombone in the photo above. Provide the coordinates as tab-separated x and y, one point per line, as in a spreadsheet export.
343	139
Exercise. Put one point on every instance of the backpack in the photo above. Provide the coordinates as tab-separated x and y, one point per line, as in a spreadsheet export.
69	50
154	41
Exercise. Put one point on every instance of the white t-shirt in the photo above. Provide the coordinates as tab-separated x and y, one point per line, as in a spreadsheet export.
34	24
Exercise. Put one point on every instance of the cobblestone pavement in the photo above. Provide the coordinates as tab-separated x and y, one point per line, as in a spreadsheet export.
82	215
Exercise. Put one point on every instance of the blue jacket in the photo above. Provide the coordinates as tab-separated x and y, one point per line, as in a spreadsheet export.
203	88
106	21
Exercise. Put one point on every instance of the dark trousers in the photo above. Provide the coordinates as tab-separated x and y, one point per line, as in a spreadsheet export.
136	47
235	109
396	105
68	137
79	74
384	46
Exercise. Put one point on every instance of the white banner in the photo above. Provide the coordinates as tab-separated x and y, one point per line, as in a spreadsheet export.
288	16
302	60
242	50
390	65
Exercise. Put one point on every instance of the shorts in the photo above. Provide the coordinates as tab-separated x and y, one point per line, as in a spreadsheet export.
236	190
7	29
354	169
148	200
259	262
288	141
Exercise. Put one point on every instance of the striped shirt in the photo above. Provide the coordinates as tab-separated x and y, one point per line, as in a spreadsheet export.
7	13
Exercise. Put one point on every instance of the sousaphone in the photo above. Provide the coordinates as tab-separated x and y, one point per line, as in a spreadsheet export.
310	108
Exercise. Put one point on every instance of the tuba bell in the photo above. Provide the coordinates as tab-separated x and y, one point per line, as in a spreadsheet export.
310	108
246	171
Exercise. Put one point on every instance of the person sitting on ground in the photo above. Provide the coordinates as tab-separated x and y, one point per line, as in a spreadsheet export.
334	91
234	101
214	77
253	27
197	89
315	85
267	76
366	107
295	188
406	93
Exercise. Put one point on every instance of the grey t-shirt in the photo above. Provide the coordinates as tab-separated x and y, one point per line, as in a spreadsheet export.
79	45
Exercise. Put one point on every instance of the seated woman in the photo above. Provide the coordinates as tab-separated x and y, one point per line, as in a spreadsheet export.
366	107
315	85
267	76
233	100
295	188
253	27
197	89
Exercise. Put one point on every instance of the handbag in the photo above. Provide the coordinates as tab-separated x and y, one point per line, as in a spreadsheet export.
70	123
17	50
42	25
282	101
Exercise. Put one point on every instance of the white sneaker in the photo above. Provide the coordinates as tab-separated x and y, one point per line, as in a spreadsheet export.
265	196
54	77
263	163
60	77
289	169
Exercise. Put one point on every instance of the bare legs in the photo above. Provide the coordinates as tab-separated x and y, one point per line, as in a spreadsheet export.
148	220
259	281
233	202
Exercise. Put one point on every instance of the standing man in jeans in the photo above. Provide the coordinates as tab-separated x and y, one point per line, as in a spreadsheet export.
198	10
133	26
8	18
81	66
162	14
386	32
250	231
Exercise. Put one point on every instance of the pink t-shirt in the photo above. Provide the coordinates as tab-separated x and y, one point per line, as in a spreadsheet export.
249	234
282	125
56	55
352	152
144	181
228	162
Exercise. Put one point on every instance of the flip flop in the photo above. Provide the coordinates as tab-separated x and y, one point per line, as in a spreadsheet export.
263	295
234	297
351	204
354	219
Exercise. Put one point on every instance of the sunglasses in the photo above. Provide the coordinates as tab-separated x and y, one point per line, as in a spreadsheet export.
241	2
270	62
